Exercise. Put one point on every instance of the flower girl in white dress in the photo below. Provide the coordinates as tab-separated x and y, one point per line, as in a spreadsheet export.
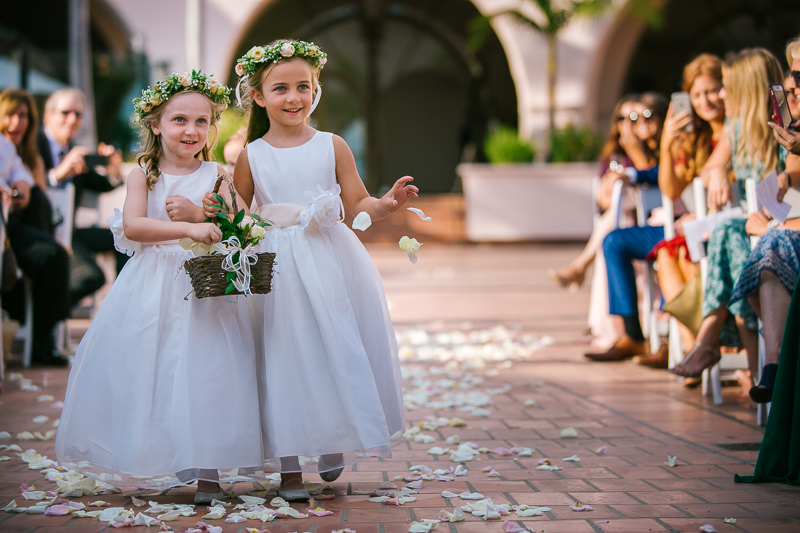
329	376
162	390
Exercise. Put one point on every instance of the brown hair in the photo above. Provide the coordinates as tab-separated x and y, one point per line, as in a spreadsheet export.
150	143
611	145
696	145
257	119
10	100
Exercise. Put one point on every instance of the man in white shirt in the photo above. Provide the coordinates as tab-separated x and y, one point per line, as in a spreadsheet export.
39	257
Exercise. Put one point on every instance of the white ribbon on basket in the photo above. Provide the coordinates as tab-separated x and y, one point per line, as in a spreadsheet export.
247	257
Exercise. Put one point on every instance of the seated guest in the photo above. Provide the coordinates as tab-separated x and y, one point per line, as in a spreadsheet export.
753	152
38	255
621	246
789	138
684	152
65	161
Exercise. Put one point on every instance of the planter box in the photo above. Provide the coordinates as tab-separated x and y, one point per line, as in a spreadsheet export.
530	202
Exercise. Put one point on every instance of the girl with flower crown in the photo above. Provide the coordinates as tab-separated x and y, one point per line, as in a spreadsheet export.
329	377
144	403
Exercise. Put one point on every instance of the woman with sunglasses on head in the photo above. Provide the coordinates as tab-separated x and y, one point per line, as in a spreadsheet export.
631	146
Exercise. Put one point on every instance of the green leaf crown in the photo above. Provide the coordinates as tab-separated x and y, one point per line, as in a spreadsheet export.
282	49
175	83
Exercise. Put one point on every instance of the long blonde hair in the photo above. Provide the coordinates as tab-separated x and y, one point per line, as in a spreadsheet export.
150	143
746	77
257	118
10	100
696	145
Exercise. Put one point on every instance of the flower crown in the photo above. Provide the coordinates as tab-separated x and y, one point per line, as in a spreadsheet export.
283	49
175	83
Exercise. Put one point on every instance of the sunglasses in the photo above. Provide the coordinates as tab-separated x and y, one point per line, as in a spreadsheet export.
646	115
68	112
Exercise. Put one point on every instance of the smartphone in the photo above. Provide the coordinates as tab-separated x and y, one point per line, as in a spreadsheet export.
681	103
95	160
782	114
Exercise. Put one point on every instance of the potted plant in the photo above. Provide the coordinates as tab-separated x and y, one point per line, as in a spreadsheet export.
512	199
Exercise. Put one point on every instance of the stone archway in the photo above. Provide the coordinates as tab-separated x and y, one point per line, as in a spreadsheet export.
401	84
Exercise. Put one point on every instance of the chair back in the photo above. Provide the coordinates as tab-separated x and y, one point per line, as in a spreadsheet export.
63	201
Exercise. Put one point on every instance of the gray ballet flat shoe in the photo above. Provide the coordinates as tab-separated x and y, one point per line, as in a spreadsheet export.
293	495
330	472
203	498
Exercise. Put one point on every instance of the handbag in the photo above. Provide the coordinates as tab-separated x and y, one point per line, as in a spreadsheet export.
10	272
687	306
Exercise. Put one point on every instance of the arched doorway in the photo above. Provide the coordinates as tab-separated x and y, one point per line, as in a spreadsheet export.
633	57
401	85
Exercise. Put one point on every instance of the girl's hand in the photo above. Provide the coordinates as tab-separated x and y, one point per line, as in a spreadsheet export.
756	224
719	189
181	209
206	232
673	126
208	202
399	194
787	138
681	221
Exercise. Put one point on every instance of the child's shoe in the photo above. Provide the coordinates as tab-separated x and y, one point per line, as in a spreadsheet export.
293	495
330	471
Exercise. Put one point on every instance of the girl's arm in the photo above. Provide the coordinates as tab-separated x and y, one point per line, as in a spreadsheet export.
139	228
355	196
242	183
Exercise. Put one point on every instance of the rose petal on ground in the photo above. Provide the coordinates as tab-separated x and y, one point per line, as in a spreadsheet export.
58	510
568	433
511	527
448	494
581	507
729	520
45	398
572	459
25	435
708	528
470	496
672	460
319	511
530	403
602	450
5	435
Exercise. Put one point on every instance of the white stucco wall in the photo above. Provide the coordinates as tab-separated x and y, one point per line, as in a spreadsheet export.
161	25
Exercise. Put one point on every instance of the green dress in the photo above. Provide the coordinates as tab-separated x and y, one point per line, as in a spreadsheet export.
779	455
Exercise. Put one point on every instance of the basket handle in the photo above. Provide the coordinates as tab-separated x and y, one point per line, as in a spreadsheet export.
218	183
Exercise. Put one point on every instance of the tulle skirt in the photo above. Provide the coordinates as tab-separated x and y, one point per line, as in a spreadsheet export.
162	390
329	375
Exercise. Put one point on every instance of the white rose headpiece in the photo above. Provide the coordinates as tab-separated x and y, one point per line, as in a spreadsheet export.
281	49
173	84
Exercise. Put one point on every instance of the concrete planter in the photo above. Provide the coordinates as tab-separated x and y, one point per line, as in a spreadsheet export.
529	202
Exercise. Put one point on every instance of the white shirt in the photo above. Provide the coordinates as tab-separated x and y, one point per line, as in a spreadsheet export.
12	169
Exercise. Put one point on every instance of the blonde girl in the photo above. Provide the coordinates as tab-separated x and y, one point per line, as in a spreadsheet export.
144	404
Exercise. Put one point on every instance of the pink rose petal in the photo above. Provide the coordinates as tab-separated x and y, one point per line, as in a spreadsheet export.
319	511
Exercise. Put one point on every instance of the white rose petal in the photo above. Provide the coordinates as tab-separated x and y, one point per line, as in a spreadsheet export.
419	213
572	459
362	221
672	460
569	433
708	528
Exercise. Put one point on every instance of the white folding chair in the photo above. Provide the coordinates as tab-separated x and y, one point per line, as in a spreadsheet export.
62	200
648	198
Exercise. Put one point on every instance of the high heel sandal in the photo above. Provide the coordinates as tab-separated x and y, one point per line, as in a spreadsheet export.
573	283
762	393
681	370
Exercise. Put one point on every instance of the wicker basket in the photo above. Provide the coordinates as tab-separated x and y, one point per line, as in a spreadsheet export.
209	279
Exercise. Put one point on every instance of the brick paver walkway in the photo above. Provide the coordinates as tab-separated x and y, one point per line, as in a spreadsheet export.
487	339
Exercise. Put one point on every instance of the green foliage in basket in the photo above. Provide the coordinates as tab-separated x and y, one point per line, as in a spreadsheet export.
248	230
575	143
503	145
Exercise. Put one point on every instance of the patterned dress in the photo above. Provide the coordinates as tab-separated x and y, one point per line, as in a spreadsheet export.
778	250
729	250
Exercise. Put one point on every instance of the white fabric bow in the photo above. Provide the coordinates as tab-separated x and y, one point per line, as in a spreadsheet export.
247	257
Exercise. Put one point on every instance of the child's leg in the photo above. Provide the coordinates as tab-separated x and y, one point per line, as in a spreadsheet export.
208	481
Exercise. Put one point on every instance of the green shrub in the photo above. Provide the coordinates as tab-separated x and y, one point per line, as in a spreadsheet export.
230	121
575	143
503	145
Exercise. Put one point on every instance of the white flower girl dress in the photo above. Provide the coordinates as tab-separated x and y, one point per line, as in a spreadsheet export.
162	390
329	375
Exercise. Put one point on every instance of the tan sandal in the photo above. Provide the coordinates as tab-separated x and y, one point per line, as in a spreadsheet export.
681	370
